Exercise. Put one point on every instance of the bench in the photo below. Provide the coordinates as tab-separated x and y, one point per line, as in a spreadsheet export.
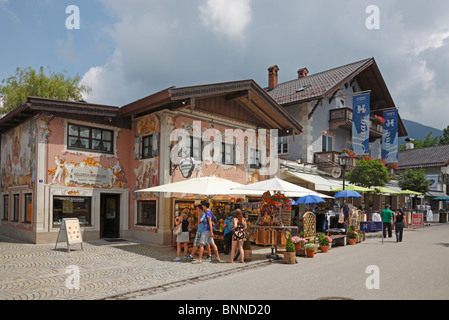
339	239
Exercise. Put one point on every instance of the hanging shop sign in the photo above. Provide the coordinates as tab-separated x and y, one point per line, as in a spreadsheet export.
361	124
186	165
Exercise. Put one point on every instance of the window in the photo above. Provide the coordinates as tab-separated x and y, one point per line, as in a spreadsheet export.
146	213
150	146
87	138
254	156
282	145
15	213
327	143
28	208
5	207
228	153
71	207
193	148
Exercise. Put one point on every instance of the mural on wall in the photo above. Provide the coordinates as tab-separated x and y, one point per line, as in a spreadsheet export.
146	171
147	174
18	156
146	126
88	173
241	173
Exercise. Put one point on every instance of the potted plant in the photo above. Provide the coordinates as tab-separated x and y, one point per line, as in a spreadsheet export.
324	241
247	249
310	250
352	236
298	241
290	254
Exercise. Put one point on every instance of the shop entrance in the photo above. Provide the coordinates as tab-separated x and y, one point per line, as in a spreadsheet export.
110	216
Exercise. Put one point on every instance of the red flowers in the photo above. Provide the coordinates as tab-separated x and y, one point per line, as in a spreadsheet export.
278	199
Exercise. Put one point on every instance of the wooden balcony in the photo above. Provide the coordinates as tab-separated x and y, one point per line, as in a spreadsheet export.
328	159
342	118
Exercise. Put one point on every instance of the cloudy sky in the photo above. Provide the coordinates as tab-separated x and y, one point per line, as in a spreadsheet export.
126	50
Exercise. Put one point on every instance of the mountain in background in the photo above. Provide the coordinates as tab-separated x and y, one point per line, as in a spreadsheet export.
418	131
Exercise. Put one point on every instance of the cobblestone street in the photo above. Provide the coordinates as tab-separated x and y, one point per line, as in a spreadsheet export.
107	269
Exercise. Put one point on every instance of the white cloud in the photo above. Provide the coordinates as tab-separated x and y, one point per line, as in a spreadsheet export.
423	42
163	43
230	17
65	50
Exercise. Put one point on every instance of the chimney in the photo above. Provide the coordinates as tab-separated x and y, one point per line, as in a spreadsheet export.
409	144
272	77
302	73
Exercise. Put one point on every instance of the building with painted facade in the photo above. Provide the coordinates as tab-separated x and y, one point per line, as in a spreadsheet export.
63	159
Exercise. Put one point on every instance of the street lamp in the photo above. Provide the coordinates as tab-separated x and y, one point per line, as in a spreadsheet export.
343	159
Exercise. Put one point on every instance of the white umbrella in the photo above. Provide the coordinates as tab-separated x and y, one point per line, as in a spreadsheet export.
276	184
208	186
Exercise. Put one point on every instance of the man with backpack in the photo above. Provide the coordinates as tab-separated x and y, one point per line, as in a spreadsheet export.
207	237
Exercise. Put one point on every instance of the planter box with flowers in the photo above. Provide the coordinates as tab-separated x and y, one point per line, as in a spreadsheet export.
378	120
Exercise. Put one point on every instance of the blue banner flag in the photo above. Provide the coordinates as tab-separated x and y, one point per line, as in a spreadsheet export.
390	137
360	124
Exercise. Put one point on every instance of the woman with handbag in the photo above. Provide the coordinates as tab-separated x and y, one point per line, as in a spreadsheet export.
184	224
239	235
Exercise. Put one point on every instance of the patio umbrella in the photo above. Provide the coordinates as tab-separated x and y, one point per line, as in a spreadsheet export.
385	190
310	198
348	194
410	192
355	188
444	198
208	186
276	184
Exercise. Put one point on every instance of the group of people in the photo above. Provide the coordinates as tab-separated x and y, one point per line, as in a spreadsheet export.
234	234
388	218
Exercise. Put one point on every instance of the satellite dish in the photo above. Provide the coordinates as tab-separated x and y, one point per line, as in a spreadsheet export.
336	172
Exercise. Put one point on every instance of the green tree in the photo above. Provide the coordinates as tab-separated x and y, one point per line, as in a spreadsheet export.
369	173
414	179
28	82
444	139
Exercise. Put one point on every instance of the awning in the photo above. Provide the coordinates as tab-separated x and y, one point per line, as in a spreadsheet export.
321	183
436	194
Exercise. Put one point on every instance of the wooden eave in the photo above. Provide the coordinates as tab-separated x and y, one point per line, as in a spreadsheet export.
246	93
94	113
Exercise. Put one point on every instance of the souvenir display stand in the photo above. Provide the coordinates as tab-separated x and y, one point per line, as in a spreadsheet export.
269	226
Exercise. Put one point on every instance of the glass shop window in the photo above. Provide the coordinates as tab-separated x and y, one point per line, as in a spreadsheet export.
146	213
72	207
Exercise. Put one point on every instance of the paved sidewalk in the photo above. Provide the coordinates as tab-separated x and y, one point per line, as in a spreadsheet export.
107	269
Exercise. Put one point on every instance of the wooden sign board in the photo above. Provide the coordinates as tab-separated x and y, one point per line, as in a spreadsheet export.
70	232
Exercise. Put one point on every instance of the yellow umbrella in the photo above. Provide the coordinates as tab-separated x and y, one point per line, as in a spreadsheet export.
354	188
410	192
385	190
